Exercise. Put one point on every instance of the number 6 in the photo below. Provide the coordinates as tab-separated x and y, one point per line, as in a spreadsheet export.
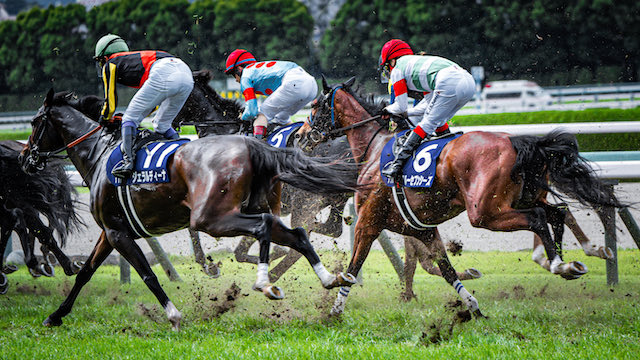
426	155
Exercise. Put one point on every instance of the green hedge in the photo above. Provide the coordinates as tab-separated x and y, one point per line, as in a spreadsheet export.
587	142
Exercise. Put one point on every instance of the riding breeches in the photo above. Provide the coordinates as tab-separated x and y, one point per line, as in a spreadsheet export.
298	88
169	85
454	87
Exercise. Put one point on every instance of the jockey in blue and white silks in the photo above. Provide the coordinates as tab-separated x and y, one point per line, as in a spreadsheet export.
449	88
287	86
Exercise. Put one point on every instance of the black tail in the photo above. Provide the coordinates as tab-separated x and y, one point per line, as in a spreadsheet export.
315	174
48	193
556	154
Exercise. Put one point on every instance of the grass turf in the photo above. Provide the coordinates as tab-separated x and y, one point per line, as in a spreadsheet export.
533	314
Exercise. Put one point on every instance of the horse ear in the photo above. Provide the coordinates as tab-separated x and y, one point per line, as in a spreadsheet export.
48	101
325	87
350	82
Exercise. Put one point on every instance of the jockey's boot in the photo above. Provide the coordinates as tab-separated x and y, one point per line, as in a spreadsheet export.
125	168
443	132
171	134
393	170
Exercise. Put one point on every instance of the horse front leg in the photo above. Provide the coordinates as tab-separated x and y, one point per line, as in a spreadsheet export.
98	255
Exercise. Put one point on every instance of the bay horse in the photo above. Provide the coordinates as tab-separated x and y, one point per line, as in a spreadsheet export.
24	199
220	185
499	179
211	114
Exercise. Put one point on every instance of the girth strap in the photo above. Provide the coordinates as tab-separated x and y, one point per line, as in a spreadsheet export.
403	207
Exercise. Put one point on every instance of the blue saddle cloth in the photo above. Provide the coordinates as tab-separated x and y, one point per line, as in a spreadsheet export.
280	137
420	169
150	163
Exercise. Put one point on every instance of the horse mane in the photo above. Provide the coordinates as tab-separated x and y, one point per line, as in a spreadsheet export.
230	108
365	100
89	105
49	192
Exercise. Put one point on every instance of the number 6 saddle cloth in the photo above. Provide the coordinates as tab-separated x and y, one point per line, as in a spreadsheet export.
420	169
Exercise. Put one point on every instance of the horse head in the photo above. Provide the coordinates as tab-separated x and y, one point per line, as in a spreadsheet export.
331	112
55	129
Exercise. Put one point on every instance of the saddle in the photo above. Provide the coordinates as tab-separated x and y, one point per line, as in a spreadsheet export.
420	169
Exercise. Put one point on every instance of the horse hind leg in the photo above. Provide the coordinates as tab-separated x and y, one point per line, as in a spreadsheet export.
256	225
590	249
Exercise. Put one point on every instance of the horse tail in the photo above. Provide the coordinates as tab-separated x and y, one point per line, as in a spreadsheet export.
292	166
556	155
48	193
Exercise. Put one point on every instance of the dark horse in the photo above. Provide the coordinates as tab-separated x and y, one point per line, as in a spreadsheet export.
211	114
220	185
23	200
500	180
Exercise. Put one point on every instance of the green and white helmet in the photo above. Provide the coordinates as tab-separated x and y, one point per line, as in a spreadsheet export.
110	44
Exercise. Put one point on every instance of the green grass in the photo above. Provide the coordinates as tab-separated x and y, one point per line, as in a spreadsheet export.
533	314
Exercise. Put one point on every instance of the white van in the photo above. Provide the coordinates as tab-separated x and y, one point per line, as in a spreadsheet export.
514	94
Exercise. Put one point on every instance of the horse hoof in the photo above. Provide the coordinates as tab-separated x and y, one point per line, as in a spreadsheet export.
34	273
8	269
479	315
76	266
606	253
47	270
473	273
4	284
51	259
49	322
273	292
212	270
575	270
346	279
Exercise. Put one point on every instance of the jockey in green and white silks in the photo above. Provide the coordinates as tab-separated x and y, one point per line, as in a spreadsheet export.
448	88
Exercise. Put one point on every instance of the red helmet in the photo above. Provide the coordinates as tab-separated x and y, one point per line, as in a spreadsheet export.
394	49
238	57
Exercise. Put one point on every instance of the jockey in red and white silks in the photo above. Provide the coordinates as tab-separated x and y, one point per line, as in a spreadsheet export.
287	86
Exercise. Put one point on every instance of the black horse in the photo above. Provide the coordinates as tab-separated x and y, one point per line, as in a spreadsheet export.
23	200
222	185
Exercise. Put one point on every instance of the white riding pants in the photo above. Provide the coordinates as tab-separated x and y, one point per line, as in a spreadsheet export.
454	87
169	85
298	88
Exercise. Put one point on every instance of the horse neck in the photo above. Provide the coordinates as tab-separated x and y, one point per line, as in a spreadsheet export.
360	138
72	125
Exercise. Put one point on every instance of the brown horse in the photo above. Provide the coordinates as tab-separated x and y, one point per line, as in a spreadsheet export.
221	185
499	179
214	115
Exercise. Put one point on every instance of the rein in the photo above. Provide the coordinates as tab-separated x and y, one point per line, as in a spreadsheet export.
56	153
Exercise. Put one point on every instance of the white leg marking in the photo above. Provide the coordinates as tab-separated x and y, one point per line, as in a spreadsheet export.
556	264
341	301
173	315
539	257
263	276
325	277
468	299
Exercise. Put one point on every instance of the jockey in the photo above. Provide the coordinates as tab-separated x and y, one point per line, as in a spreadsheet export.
162	79
286	84
449	87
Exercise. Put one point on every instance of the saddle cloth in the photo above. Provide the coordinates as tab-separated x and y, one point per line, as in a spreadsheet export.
150	163
420	169
280	137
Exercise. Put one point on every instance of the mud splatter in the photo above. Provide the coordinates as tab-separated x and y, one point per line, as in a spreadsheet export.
32	289
455	247
442	329
519	293
153	312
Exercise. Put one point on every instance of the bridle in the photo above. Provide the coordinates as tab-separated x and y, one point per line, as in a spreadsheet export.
316	136
38	159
